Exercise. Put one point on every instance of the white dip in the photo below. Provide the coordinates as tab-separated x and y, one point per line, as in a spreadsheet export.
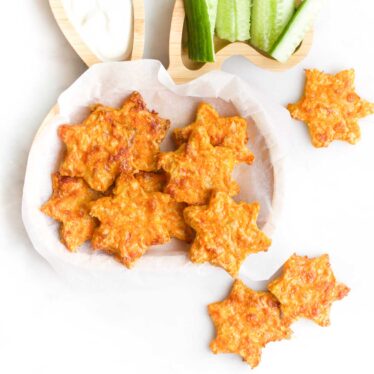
106	26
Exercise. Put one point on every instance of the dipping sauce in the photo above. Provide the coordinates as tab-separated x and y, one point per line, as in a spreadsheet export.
106	26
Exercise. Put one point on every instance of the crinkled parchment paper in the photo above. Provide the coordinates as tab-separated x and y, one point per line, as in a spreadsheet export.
110	84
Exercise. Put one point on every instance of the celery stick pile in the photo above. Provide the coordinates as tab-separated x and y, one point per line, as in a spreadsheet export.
275	27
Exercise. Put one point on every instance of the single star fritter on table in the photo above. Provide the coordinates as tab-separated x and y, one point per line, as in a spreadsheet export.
331	107
226	232
197	168
230	132
245	322
307	288
70	204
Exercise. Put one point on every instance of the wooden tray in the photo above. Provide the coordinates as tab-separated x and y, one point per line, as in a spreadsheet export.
180	67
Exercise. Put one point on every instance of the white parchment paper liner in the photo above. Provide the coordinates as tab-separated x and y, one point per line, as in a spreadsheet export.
110	84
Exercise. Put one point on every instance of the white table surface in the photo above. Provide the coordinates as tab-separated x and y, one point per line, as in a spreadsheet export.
48	325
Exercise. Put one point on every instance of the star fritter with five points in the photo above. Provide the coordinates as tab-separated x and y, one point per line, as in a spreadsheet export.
331	107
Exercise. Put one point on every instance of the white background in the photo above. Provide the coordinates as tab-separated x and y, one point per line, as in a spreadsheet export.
48	325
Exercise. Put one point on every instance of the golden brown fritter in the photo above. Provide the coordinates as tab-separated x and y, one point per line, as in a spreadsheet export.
111	141
307	288
245	322
173	216
330	107
197	168
69	204
131	220
226	232
230	132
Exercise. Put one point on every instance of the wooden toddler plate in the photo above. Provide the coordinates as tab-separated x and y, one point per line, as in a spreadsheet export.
180	67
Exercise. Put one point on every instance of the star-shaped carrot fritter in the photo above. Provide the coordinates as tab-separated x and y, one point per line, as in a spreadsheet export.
197	168
230	132
111	141
70	204
173	214
331	108
226	232
245	322
307	288
130	221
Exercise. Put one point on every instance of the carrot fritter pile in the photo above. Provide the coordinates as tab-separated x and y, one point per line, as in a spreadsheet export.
226	232
307	288
230	132
245	322
111	141
121	148
331	108
198	168
70	205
